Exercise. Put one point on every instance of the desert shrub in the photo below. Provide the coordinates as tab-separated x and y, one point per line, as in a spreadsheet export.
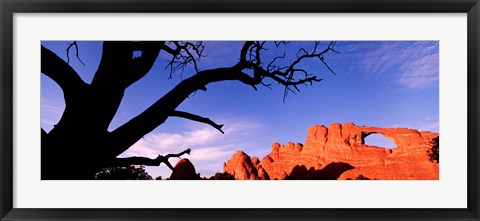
123	173
433	152
361	177
222	176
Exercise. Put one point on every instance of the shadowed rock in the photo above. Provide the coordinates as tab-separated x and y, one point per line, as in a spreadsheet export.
331	172
184	170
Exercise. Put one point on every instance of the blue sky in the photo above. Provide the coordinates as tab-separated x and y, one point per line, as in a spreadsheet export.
381	83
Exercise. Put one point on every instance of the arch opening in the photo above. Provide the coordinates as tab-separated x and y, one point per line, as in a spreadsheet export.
379	140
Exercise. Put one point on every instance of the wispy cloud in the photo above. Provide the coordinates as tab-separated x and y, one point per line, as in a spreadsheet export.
50	113
434	127
208	145
220	53
400	125
411	64
426	124
212	153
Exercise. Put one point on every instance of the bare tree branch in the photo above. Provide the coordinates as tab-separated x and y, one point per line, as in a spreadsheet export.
89	117
44	134
183	54
117	66
155	115
76	52
243	53
278	43
142	65
270	67
287	76
60	72
197	118
125	162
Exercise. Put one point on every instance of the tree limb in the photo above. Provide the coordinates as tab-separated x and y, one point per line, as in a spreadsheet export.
143	64
117	66
44	135
243	53
76	52
287	76
197	118
183	54
125	162
59	71
130	132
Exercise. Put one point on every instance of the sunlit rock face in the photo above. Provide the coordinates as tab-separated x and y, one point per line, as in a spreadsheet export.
340	152
242	167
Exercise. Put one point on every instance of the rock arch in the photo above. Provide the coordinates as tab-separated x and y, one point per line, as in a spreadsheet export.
378	137
346	143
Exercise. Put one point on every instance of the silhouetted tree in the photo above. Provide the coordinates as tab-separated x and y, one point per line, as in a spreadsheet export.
123	173
433	153
81	143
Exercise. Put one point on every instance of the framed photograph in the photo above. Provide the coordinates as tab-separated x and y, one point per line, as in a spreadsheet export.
238	110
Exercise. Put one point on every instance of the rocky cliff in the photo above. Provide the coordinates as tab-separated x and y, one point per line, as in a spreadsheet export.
340	152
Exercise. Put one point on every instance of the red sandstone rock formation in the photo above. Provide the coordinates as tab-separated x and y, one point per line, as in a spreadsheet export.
242	167
184	170
343	148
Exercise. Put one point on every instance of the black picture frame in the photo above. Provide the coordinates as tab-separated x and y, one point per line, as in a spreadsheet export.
9	7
